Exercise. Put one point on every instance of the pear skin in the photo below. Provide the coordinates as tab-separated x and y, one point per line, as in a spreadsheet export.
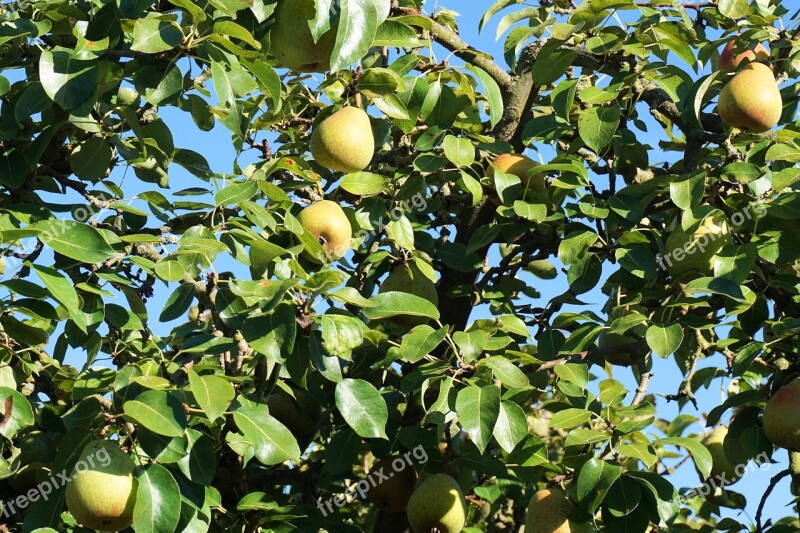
326	221
102	497
437	503
781	419
344	141
391	494
729	63
720	465
521	167
291	41
751	100
549	512
711	236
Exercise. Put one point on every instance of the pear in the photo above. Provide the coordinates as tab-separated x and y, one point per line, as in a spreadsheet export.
391	494
729	63
549	512
102	497
521	167
299	414
437	503
344	141
781	419
409	278
326	221
618	349
751	100
695	251
291	40
720	466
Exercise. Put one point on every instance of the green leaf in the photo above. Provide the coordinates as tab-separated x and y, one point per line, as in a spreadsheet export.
358	23
63	291
178	302
272	442
573	373
664	339
687	191
638	260
159	411
459	151
364	183
199	464
478	409
341	334
493	94
511	426
594	480
213	394
506	372
158	500
69	82
700	454
154	35
733	8
420	342
91	159
597	126
569	418
395	303
75	240
362	407
21	416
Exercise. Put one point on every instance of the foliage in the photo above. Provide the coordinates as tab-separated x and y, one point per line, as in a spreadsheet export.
502	390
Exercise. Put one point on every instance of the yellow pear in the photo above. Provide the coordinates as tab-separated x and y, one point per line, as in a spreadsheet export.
102	495
696	252
549	512
391	494
326	221
751	100
521	167
729	63
781	419
437	504
344	141
721	469
291	40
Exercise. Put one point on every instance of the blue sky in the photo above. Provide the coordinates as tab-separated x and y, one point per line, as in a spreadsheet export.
217	148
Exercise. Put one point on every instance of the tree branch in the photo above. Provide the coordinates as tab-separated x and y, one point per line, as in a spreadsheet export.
772	483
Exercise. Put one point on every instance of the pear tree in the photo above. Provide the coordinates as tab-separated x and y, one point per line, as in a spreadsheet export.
399	265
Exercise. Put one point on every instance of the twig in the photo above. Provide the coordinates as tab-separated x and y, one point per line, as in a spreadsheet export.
772	483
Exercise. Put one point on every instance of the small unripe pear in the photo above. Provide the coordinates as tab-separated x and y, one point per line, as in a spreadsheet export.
521	167
549	512
721	468
291	41
438	503
696	252
751	100
410	279
729	63
102	496
326	221
299	414
344	141
391	494
781	419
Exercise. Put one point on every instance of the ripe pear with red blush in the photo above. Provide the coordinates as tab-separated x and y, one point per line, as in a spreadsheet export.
729	62
751	100
781	419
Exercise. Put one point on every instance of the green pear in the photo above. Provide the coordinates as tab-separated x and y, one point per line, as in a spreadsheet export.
409	278
688	251
344	141
751	100
549	512
521	167
618	349
781	419
720	466
729	63
291	40
102	496
437	504
392	494
326	221
299	414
